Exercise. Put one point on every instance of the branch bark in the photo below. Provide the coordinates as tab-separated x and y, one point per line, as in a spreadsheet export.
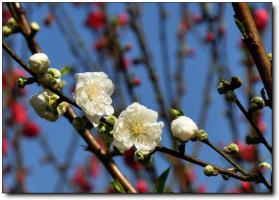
255	45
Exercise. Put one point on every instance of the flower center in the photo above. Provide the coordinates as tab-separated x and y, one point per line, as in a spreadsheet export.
92	91
137	128
43	61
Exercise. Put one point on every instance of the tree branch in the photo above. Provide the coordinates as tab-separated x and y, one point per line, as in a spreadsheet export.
255	45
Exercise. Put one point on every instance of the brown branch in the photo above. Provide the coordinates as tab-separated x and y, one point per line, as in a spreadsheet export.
255	45
22	21
251	178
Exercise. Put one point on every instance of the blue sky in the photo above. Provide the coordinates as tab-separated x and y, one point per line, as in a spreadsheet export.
53	43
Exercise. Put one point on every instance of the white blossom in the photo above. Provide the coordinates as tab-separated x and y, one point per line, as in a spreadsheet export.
137	126
43	104
39	63
183	128
92	94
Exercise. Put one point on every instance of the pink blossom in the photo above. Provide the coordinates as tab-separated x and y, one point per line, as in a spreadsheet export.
30	129
261	18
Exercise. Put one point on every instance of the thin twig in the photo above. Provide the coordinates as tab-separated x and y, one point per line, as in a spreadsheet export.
263	140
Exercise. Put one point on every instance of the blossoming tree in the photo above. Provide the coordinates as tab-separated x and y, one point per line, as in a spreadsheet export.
158	140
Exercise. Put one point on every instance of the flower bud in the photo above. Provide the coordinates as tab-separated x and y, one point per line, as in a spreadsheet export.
230	96
142	158
111	119
7	30
209	170
21	82
264	165
45	105
223	87
231	149
35	26
257	103
55	76
39	63
269	56
183	128
12	23
176	113
202	135
235	82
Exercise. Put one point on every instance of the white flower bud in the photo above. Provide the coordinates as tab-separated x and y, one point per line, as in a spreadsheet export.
183	128
264	165
43	104
35	26
39	63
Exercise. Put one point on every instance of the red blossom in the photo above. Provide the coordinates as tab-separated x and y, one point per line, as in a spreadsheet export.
30	129
4	145
260	122
48	21
18	112
197	18
246	152
10	77
96	20
136	82
123	19
261	18
209	37
246	187
80	180
101	43
94	166
141	186
129	160
202	188
189	175
6	16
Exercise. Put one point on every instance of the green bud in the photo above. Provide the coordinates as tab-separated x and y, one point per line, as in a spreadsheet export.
202	135
223	86
176	113
12	23
145	159
55	76
253	139
264	165
235	82
139	156
111	119
22	82
209	170
269	55
7	30
257	103
231	149
230	96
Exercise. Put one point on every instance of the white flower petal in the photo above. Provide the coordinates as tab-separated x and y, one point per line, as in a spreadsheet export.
92	94
138	126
